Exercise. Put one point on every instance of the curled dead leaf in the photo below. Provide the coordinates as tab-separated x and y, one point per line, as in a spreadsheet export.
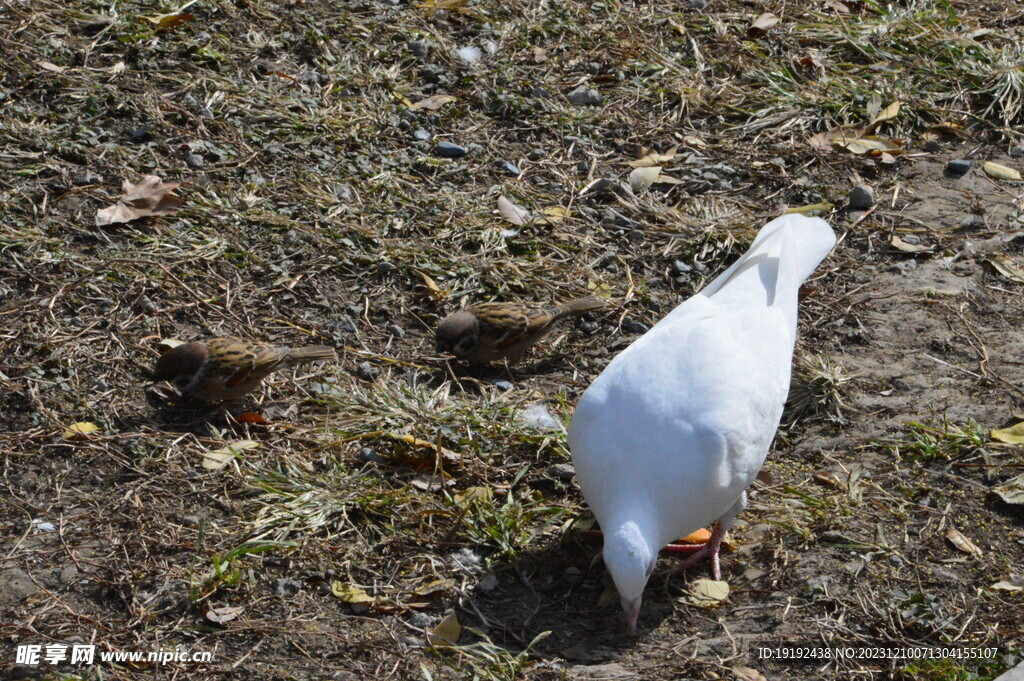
219	458
433	102
962	542
813	210
511	212
165	21
349	593
150	197
653	158
761	25
223	615
901	245
708	593
167	344
1011	491
446	633
1006	267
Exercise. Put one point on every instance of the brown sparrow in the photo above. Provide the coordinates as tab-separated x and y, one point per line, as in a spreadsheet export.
492	332
225	369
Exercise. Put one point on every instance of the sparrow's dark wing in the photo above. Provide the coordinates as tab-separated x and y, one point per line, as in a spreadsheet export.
237	362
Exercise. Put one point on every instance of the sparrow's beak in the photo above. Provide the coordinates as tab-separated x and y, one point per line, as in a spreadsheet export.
632	610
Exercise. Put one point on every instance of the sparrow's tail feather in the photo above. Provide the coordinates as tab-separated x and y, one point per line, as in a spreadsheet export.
313	353
582	305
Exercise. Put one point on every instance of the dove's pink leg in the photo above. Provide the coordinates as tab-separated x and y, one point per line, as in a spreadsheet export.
708	550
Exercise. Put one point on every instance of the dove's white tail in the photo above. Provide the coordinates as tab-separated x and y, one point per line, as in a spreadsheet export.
784	253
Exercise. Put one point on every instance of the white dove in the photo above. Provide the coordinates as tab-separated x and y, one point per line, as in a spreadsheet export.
670	435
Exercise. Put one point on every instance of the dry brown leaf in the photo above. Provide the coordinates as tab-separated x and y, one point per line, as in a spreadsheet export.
868	144
1013	435
511	212
169	20
747	674
219	458
222	615
553	215
472	495
960	540
887	114
844	133
434	587
1014	583
446	633
433	102
901	245
653	158
1006	267
761	25
1000	172
150	197
50	66
349	593
1011	491
431	289
708	593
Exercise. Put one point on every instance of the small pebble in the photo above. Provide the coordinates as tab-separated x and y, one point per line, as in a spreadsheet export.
345	193
633	326
205	112
1017	151
958	167
563	471
508	167
420	620
680	267
87	177
862	197
323	589
588	327
344	324
932	145
286	587
421	134
195	161
584	96
418	48
385	267
697	4
500	384
367	371
367	455
535	154
395	330
450	150
142	133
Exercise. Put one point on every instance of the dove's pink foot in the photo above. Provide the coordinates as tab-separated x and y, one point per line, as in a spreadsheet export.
707	550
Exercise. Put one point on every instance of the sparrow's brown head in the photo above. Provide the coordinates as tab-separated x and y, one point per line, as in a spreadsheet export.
458	333
183	360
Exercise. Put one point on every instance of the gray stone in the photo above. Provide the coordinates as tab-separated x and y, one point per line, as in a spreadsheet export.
418	48
584	96
421	134
862	197
508	167
958	167
563	471
367	371
450	150
286	587
87	177
195	161
367	455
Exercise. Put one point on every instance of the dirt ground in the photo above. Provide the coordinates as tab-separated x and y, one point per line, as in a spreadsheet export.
383	494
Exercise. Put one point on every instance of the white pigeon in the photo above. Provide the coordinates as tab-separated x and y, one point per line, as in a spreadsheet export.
670	435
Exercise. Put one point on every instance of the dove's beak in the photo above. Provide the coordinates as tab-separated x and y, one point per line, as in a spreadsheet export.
632	609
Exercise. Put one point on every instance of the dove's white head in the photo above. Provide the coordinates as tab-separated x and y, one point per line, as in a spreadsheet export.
630	559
